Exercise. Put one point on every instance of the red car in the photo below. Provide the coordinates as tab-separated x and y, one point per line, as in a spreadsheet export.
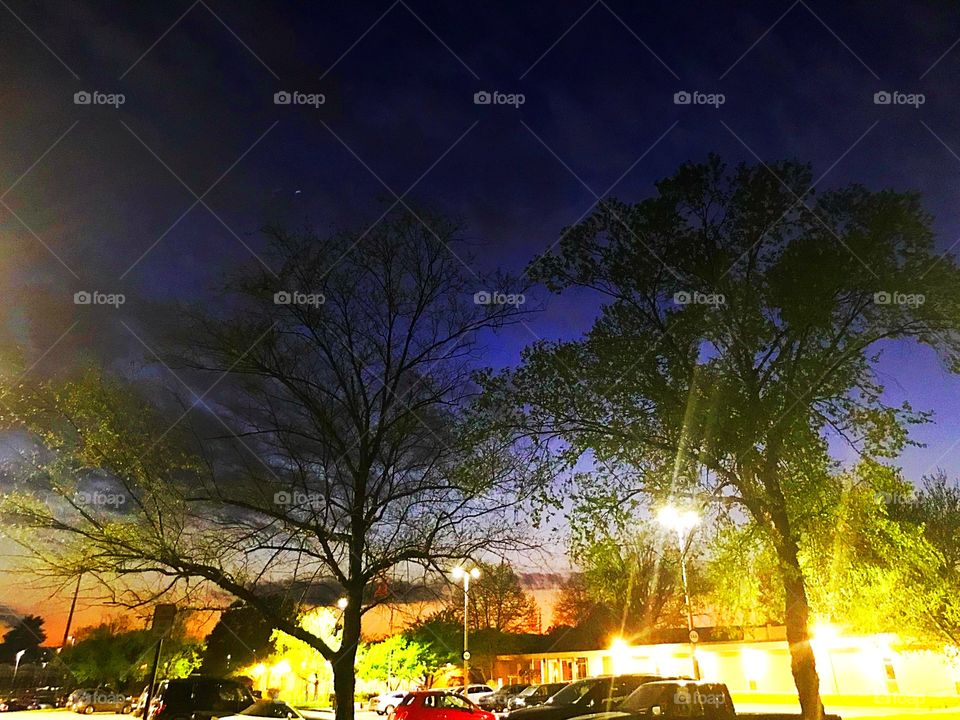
438	705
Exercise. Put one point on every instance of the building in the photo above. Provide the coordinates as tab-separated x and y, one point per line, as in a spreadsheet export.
854	669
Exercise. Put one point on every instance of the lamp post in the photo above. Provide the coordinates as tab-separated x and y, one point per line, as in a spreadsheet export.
16	667
460	573
682	522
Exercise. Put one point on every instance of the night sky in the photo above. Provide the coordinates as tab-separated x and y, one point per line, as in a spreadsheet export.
159	197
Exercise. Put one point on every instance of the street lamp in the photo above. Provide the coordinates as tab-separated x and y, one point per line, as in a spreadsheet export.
460	573
17	667
682	522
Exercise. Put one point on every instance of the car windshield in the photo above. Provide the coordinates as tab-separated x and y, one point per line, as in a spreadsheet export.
529	691
573	693
644	697
270	709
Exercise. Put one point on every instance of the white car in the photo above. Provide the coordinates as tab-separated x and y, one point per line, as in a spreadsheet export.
387	703
271	709
473	693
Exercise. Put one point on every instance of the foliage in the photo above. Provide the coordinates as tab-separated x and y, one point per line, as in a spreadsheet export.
397	661
241	636
338	437
442	634
497	601
739	332
574	603
934	512
302	656
632	573
114	655
26	635
743	584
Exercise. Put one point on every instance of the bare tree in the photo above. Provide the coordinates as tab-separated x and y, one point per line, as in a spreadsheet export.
349	446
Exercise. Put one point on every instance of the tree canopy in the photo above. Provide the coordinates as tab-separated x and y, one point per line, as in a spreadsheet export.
742	315
327	429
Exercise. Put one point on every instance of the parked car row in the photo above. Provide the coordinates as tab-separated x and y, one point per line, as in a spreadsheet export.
620	697
36	699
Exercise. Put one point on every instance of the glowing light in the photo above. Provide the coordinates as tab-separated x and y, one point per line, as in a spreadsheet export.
825	633
681	521
620	656
282	667
459	572
755	663
342	603
258	670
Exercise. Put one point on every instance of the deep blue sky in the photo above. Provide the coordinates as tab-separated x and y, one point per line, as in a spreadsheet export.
399	79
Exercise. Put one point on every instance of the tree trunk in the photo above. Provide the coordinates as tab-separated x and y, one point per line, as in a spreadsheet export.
797	617
344	662
344	682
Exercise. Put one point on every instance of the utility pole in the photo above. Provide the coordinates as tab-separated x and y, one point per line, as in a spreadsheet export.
73	606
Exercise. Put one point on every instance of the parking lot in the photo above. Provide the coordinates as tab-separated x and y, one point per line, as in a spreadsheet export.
67	715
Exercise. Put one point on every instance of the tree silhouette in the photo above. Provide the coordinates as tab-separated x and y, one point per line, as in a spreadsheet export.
27	635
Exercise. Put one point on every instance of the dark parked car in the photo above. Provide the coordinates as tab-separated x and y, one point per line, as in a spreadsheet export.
12	705
583	697
199	697
686	699
535	695
500	699
46	697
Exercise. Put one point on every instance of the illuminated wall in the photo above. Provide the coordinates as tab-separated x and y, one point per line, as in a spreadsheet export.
874	666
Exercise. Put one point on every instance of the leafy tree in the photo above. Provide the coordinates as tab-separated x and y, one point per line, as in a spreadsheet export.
497	601
397	661
574	603
114	655
303	657
629	572
743	580
935	510
241	635
741	322
26	635
442	633
337	437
